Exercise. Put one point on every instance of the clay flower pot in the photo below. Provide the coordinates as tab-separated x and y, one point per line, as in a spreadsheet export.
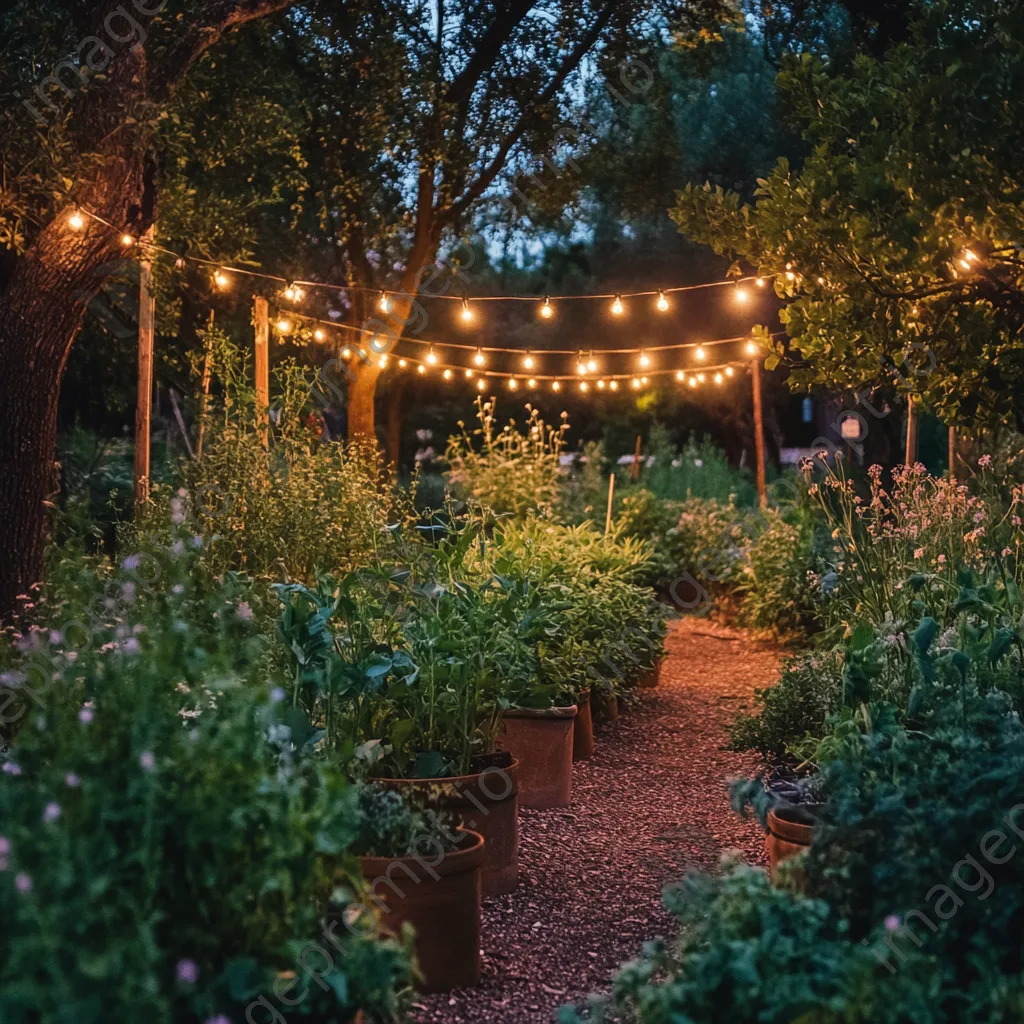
541	741
650	679
486	802
440	897
604	706
583	730
786	838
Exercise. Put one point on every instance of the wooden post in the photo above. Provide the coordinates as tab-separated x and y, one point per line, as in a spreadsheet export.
911	431
952	453
144	399
611	495
261	321
204	393
762	486
635	470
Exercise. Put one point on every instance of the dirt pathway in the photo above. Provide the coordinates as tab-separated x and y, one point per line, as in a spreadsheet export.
649	807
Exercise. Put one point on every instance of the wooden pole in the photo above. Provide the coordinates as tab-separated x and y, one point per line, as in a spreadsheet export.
204	394
635	470
762	486
611	495
952	453
911	431
144	398
261	321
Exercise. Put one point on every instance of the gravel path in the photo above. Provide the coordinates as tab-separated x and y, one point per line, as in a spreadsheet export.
650	806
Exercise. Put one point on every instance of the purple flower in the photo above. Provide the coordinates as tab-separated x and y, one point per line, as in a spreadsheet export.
131	646
147	760
128	592
54	636
277	695
85	716
22	882
197	541
892	922
177	589
10	768
51	812
130	563
187	972
219	1019
5	846
244	611
72	781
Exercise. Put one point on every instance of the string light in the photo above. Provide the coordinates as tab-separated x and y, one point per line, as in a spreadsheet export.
432	356
556	385
728	371
700	378
318	334
617	307
636	383
584	386
592	363
760	282
741	294
127	240
644	381
421	368
512	383
680	376
284	326
969	256
546	311
76	221
700	353
220	279
528	363
402	364
469	374
581	367
346	353
383	362
384	305
692	382
447	374
531	383
719	378
751	348
481	384
467	313
479	357
614	385
662	302
293	293
645	359
600	385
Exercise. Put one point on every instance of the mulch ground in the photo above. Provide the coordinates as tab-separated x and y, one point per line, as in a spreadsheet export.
648	808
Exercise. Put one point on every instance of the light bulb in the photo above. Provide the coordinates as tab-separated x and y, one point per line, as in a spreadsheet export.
512	384
584	386
729	371
821	281
467	313
447	375
127	240
284	326
969	256
346	353
645	360
643	380
290	293
965	264
617	308
751	348
469	374
402	364
700	378
546	311
383	362
600	385
760	282
318	334
556	385
692	382
680	376
581	367
528	362
385	303
790	276
421	368
531	383
662	302
718	378
481	384
742	295
432	356
636	383
700	353
76	221
614	385
220	279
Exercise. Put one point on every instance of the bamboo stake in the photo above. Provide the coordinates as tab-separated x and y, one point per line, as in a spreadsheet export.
635	471
261	321
204	394
144	398
611	495
952	453
762	486
911	431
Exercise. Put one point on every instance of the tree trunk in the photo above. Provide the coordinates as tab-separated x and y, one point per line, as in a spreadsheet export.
362	394
396	395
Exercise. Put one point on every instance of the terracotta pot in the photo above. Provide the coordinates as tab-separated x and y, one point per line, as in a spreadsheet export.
786	838
542	743
604	706
583	730
440	898
486	802
649	680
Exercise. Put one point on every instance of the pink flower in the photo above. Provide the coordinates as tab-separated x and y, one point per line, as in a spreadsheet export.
187	972
1006	551
985	461
72	780
10	768
892	922
941	559
147	760
919	553
85	716
51	813
22	882
5	846
244	611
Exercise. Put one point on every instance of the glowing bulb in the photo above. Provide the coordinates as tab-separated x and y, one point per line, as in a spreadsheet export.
479	357
512	383
447	375
617	308
383	362
591	364
751	348
600	385
220	279
643	380
729	371
467	313
742	295
528	362
318	334
481	384
821	281
680	376
421	368
76	221
346	353
719	378
965	264
546	311
432	356
384	305
636	383
581	367
645	360
700	353
700	378
692	382
127	240
584	386
402	364
614	385
790	276
662	302
284	326
289	293
760	282
556	385
969	256
469	374
531	383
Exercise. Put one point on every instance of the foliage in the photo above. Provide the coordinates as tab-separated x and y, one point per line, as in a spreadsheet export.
894	273
163	854
390	827
509	471
699	470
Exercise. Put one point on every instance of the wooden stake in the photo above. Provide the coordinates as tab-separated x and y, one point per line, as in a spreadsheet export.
204	394
911	431
635	470
762	486
611	495
952	453
144	399
261	321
